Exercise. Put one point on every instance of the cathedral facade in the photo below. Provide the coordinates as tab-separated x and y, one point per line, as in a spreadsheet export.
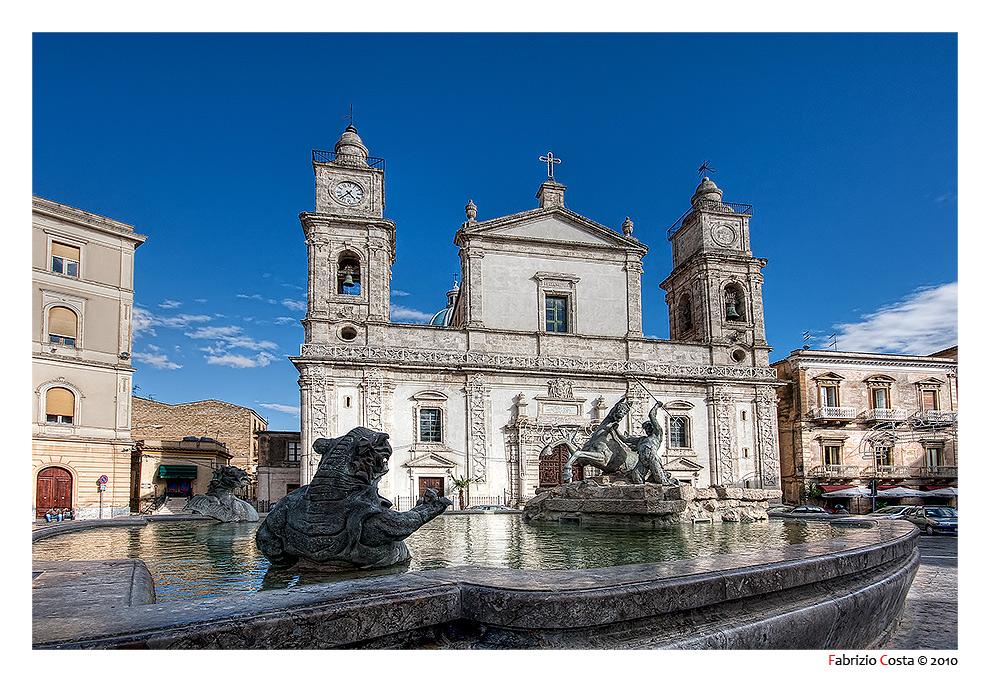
540	338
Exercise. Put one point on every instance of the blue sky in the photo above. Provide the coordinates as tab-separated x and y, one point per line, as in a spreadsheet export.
845	144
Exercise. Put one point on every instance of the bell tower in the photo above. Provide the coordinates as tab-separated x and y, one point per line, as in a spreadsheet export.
715	291
350	244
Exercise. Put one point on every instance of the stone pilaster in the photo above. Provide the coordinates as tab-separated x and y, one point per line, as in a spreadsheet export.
768	455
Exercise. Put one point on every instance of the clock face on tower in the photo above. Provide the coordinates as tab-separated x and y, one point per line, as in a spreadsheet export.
723	234
348	193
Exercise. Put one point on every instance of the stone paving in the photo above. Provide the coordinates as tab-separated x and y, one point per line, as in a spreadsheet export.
931	613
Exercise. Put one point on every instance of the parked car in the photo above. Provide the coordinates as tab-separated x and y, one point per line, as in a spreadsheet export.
489	508
894	511
805	509
934	520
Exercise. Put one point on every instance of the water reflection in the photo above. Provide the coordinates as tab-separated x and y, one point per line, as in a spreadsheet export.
194	560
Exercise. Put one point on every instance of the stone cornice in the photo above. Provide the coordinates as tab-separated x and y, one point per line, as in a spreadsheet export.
412	357
86	219
869	360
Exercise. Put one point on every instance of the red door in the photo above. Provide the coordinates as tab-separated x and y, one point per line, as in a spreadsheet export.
54	490
552	467
427	482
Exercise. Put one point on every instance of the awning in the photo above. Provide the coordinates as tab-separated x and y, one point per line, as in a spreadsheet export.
899	491
177	471
852	491
942	492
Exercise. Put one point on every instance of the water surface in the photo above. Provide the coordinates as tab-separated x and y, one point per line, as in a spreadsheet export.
200	559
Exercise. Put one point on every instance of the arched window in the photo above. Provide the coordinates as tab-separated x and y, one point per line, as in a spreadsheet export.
60	406
684	310
62	326
349	274
735	303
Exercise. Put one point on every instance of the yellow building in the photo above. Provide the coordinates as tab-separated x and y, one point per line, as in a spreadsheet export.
169	469
82	301
860	419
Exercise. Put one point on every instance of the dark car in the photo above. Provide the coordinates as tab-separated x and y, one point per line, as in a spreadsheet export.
804	509
490	508
894	511
934	520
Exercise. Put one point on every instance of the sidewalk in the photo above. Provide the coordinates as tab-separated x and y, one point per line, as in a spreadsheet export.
931	611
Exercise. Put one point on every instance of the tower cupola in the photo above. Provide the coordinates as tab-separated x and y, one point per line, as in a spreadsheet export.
350	149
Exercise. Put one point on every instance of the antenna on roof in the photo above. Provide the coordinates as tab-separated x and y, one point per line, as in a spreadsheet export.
350	116
706	167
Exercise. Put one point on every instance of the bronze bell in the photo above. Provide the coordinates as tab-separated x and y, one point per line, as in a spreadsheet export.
348	280
730	312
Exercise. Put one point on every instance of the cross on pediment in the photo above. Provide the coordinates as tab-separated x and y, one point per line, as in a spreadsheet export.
549	160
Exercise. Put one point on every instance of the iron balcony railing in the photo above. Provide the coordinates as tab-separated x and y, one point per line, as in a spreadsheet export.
833	413
709	205
937	416
347	159
883	414
835	471
831	471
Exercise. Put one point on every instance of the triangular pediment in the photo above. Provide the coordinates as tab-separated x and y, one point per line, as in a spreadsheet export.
682	464
551	225
430	460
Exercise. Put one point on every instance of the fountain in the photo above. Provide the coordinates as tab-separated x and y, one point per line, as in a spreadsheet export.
843	591
634	489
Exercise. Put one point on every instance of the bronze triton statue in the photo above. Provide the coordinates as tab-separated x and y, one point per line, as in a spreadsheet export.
633	457
339	521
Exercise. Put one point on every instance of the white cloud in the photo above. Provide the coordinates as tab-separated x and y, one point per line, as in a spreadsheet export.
400	313
396	292
257	297
294	305
231	336
923	322
288	409
285	320
169	303
144	321
241	361
158	361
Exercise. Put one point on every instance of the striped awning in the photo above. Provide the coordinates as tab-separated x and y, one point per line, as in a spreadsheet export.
177	471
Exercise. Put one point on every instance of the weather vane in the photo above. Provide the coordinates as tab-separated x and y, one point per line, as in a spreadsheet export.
706	167
549	160
350	116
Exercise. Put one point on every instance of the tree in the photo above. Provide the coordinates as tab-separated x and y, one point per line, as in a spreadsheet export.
462	485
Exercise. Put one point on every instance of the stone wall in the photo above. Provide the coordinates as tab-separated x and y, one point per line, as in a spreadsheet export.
232	425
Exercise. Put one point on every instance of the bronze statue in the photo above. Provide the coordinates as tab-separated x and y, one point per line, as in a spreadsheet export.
633	457
339	521
219	501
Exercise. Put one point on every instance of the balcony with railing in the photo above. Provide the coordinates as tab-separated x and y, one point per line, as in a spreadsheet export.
938	472
833	413
937	417
884	414
833	471
889	471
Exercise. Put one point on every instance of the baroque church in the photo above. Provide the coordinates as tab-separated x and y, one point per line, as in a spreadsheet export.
538	341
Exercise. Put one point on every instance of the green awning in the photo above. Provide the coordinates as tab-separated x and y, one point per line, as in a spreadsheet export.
177	471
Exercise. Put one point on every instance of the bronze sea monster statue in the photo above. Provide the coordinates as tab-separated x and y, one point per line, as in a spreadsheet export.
339	521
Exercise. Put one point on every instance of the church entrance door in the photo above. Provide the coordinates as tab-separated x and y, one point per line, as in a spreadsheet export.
427	482
552	467
54	490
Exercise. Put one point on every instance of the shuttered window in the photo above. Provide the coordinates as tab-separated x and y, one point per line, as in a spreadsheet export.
62	326
60	405
65	259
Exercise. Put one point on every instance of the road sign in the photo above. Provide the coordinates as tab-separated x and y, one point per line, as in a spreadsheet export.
103	480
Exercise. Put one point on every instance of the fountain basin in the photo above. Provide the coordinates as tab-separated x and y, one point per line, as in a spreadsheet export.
845	592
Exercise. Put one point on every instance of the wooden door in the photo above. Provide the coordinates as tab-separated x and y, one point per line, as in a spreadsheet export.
54	490
427	482
552	467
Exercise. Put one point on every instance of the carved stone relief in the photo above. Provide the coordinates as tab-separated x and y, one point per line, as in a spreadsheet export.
479	407
766	420
724	414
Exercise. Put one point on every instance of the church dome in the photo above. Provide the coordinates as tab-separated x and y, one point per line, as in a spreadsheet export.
707	191
350	149
442	318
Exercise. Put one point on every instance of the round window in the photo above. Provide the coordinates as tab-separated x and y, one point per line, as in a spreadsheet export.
348	333
738	355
